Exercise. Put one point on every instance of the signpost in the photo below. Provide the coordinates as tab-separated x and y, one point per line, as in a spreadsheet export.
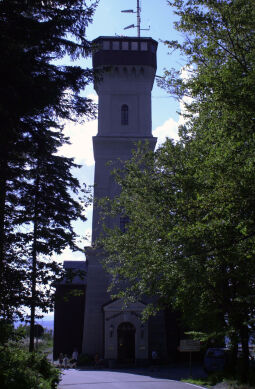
189	346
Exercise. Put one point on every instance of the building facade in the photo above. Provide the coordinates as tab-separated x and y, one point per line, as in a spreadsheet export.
69	310
125	71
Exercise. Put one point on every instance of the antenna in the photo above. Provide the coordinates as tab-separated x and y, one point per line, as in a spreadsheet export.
138	13
131	26
138	18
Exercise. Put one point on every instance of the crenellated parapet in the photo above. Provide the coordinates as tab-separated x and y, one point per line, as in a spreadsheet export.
112	51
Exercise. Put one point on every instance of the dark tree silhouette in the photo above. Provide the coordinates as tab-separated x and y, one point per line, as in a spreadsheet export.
35	94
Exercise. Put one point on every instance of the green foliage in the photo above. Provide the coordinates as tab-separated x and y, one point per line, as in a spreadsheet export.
85	360
20	369
228	379
45	344
210	381
39	197
190	240
9	333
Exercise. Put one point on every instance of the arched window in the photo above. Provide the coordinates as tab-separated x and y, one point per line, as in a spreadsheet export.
124	115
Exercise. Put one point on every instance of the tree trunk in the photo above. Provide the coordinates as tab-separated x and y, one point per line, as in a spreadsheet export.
244	332
3	169
34	267
33	296
234	353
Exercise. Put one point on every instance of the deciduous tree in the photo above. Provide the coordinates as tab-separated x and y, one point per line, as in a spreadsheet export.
190	239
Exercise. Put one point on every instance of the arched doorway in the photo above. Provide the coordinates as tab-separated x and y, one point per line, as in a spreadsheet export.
126	342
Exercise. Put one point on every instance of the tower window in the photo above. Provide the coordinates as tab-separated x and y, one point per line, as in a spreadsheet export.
115	45
144	46
106	45
124	115
124	46
134	45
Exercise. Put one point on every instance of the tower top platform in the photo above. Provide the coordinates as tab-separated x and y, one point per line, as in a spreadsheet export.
123	50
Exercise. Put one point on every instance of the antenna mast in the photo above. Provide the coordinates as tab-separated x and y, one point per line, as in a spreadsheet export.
138	15
138	12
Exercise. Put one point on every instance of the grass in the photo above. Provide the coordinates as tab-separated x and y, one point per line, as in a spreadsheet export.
43	344
212	380
46	344
200	382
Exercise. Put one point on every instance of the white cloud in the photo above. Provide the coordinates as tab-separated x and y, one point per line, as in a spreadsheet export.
182	118
81	140
81	149
169	129
186	73
68	255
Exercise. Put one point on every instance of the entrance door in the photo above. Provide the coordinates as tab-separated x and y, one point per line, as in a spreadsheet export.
126	343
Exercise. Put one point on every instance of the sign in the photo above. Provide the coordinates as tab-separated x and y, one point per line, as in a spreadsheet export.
189	345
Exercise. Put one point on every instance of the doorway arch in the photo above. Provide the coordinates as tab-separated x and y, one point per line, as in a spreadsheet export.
126	342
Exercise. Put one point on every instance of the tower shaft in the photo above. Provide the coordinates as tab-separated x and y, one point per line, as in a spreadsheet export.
126	69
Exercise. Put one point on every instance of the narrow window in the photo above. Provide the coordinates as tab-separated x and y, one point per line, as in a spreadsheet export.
124	45
124	115
115	45
106	45
134	45
144	46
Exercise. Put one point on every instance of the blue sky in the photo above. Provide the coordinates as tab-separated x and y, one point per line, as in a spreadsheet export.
109	21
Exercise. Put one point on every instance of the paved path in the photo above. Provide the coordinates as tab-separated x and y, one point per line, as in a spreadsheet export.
122	379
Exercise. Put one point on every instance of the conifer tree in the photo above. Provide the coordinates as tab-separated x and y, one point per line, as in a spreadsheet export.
35	95
51	200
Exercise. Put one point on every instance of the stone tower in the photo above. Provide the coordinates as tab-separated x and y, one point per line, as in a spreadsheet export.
127	70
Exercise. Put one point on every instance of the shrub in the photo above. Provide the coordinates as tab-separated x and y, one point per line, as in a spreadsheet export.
20	369
85	360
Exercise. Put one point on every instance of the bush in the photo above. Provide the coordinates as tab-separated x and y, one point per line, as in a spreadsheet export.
20	369
85	360
9	333
233	371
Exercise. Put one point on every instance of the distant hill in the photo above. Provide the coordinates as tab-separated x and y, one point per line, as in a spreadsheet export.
47	322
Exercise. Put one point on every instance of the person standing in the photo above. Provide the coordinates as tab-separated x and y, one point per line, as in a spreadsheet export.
60	359
65	361
74	358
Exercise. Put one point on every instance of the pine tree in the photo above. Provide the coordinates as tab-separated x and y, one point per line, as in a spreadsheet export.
35	95
51	200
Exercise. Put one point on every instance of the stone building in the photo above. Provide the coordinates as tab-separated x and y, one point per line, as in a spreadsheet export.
126	68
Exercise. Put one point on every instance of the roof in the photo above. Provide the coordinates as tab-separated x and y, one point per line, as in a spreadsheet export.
126	51
118	37
76	266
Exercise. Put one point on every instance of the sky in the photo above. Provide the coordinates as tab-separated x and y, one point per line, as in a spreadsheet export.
109	21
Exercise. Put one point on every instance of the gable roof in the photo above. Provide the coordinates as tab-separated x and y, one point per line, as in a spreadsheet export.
118	305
